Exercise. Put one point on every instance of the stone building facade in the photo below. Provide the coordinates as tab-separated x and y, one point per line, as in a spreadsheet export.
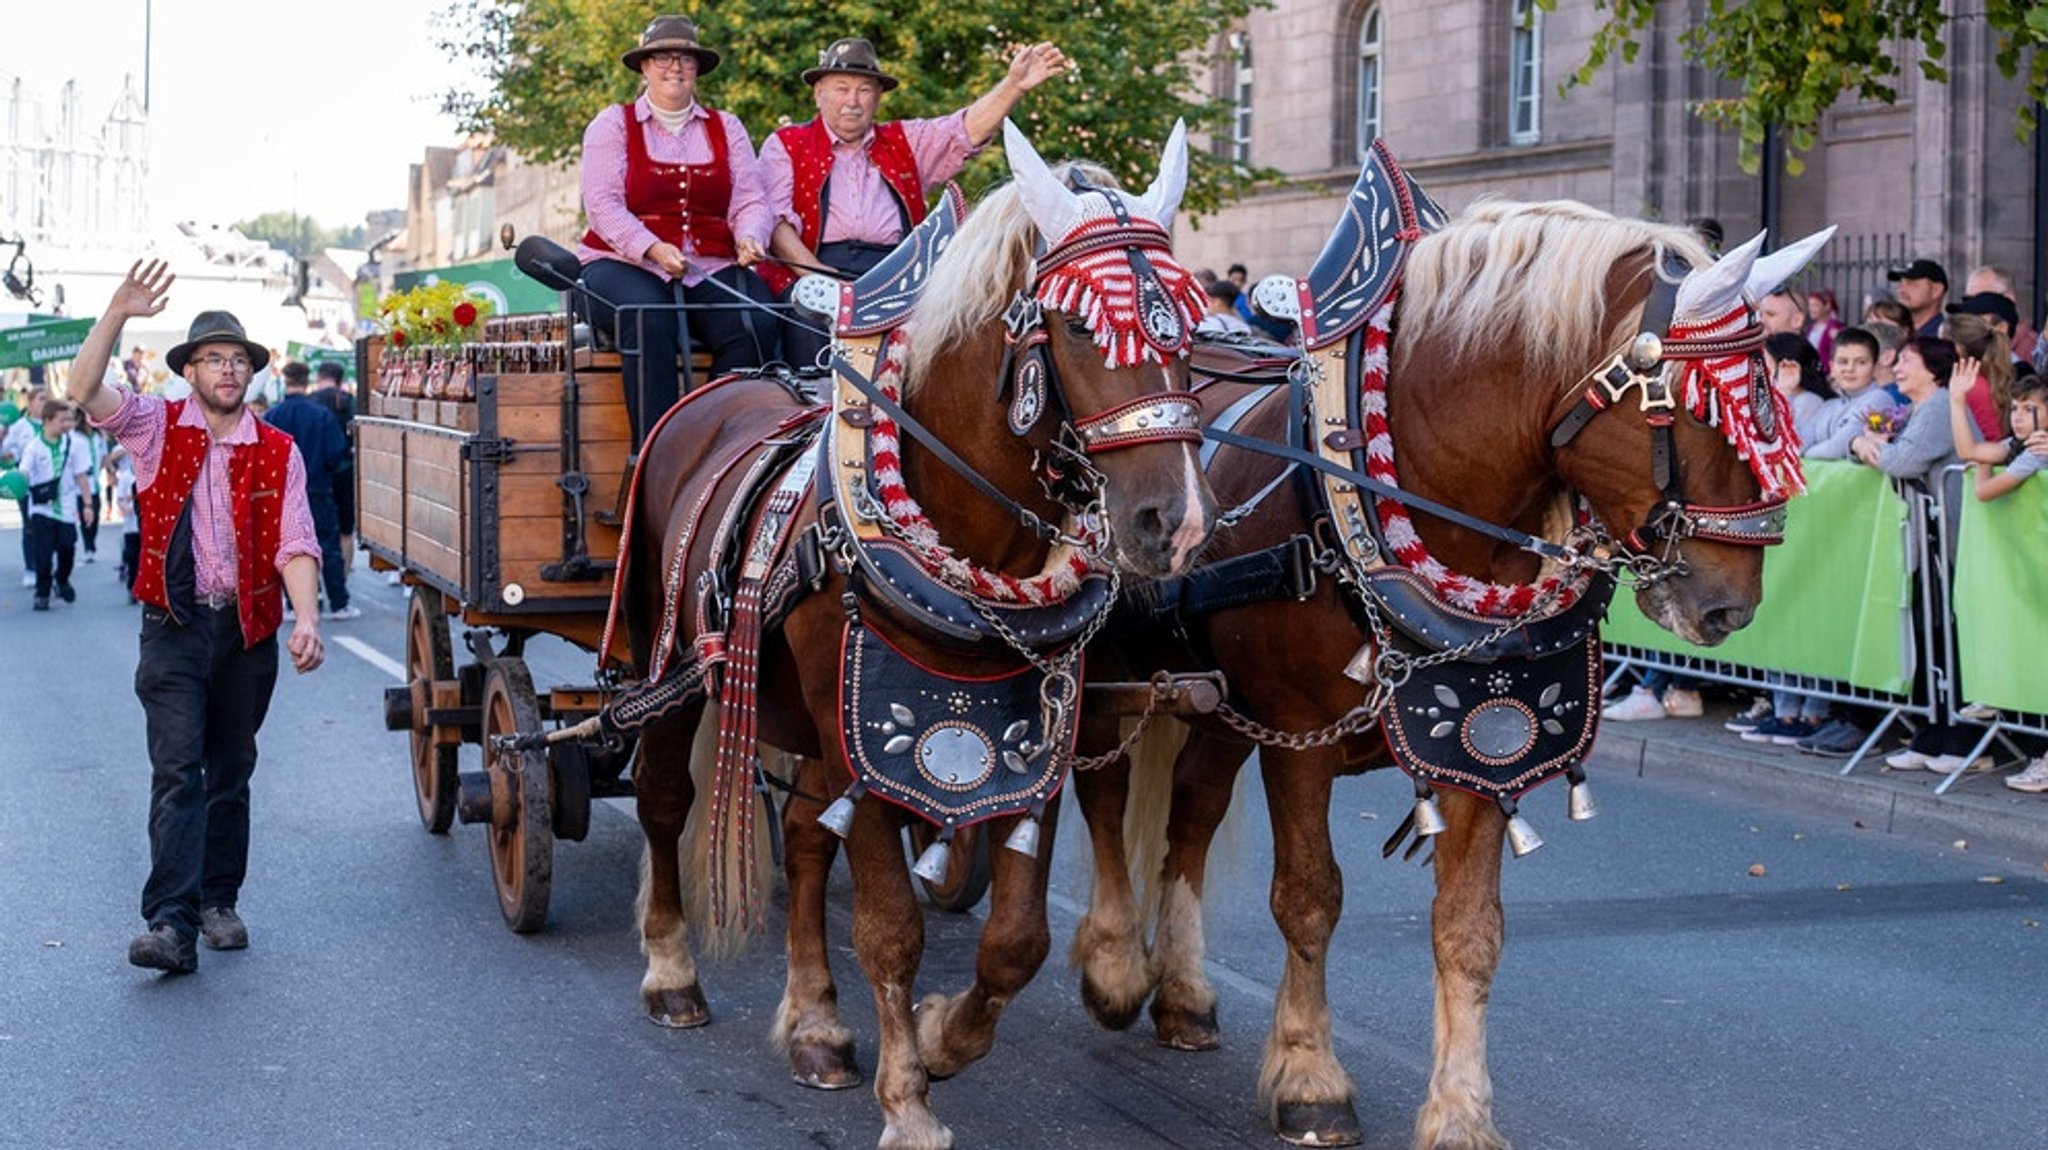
1469	98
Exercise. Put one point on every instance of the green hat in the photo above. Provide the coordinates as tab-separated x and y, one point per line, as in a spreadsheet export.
8	414
13	485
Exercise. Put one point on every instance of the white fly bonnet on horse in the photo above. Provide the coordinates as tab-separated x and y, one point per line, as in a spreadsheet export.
1108	254
1728	391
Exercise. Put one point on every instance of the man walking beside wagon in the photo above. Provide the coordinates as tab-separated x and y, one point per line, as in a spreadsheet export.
226	535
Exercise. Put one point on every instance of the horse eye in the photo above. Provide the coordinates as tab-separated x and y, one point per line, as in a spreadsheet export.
1079	329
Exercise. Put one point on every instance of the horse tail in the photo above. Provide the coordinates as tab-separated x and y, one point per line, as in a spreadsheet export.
701	853
1151	801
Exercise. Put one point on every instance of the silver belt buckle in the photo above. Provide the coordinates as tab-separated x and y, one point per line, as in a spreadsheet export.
217	600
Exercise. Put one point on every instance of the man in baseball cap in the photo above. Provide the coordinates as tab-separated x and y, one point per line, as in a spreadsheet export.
1923	288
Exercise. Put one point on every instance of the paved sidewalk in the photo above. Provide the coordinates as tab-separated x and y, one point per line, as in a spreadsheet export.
1978	810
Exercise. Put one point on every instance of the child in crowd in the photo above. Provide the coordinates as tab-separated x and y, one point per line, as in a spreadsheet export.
59	477
2023	453
123	470
1797	374
1989	391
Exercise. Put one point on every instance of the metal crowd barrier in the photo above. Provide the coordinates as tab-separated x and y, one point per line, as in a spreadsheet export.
1900	648
1998	558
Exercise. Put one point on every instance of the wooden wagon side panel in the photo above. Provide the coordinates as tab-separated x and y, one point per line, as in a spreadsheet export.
436	503
380	489
530	530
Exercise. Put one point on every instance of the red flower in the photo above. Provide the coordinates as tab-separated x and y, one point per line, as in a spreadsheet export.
464	314
397	338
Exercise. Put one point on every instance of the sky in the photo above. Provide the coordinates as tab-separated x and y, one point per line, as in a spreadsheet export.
315	106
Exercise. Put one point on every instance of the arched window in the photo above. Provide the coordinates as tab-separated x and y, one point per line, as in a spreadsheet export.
1369	72
1525	73
1241	97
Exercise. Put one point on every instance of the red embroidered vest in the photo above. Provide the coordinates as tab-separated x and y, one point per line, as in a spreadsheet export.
810	165
682	204
256	485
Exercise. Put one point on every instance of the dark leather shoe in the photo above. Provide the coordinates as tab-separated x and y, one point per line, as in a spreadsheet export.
161	947
223	929
66	593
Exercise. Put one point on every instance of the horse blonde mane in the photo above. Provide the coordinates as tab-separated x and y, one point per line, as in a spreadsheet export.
1531	276
973	280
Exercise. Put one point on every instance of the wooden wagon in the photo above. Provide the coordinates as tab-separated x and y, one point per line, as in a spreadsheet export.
494	489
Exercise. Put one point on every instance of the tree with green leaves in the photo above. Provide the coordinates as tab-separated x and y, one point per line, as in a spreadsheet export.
549	65
300	235
1795	58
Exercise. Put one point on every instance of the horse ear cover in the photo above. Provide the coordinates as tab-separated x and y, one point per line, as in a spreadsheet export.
1771	271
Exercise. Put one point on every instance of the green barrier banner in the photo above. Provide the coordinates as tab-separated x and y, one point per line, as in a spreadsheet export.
2001	583
503	284
1837	598
42	341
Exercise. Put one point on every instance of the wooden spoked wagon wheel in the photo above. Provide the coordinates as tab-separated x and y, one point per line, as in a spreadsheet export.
430	658
521	836
967	867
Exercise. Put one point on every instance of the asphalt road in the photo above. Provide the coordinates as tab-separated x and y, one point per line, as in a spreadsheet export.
1865	991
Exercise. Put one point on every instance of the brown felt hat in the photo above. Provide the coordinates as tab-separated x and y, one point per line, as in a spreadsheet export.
671	34
216	327
853	56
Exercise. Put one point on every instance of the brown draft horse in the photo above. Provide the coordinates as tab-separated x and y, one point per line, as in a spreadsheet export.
1506	314
1149	499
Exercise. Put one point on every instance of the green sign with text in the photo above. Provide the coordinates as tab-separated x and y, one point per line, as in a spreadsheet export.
42	341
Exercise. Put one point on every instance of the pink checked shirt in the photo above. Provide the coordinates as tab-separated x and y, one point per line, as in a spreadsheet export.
138	424
604	184
862	207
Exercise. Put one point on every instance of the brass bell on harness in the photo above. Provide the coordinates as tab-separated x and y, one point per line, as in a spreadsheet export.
1522	838
931	865
1428	819
838	818
1024	840
1579	804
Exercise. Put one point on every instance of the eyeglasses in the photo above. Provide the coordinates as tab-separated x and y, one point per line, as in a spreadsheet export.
672	61
237	363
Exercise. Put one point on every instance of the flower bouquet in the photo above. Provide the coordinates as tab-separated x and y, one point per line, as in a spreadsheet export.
1887	420
424	326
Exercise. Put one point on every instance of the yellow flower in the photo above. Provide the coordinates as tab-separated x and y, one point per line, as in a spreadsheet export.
439	314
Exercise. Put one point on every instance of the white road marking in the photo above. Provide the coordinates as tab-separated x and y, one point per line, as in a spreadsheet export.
371	655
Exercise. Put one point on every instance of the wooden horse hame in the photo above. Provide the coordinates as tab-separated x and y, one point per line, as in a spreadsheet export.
895	587
1551	373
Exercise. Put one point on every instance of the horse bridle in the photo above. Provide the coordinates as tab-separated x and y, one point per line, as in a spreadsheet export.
1655	365
1031	383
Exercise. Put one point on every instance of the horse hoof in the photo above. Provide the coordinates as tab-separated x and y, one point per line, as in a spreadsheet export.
823	1067
1187	1030
1110	1015
681	1009
1317	1123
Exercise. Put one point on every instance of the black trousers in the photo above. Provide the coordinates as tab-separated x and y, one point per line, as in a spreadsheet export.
802	346
637	306
89	527
327	529
52	548
203	698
